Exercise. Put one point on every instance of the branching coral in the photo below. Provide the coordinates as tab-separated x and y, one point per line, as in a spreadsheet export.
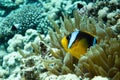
101	59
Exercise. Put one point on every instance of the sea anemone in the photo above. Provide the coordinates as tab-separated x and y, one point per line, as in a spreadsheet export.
101	59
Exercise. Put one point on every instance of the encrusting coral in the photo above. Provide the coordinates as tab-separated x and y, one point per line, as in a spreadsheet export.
101	59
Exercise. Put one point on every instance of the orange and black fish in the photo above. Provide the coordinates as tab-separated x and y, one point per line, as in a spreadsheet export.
77	43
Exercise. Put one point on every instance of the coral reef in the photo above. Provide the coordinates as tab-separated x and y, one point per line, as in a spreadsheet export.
6	6
56	9
19	41
16	41
63	77
15	65
32	55
3	73
10	64
26	17
105	11
100	78
72	77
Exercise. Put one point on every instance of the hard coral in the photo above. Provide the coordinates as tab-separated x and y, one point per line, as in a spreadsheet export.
6	6
101	9
27	64
26	17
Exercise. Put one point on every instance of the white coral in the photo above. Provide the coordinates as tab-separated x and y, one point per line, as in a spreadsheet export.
3	72
70	77
10	59
100	78
51	77
114	1
63	77
89	6
111	15
16	41
103	12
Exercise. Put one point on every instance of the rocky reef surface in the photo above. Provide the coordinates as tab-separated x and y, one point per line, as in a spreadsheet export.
31	33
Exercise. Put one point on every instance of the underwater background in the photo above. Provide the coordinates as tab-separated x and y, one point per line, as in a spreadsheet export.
31	32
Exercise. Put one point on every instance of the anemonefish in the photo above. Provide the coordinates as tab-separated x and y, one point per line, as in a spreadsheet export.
77	43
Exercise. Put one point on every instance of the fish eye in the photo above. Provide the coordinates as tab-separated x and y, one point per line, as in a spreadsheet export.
68	37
